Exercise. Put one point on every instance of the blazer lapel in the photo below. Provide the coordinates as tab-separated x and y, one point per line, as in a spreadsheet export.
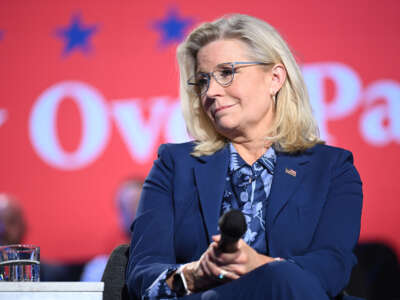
210	178
288	174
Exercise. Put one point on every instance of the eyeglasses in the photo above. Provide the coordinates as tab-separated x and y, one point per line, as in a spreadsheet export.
223	74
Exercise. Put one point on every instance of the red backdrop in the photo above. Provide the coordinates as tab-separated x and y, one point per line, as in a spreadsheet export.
88	90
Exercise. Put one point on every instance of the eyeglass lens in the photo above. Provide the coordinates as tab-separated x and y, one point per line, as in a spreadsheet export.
223	74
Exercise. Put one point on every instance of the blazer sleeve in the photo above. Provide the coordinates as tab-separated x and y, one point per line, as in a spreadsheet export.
152	243
331	257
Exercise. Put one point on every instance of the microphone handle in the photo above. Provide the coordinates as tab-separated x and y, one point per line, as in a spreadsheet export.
228	244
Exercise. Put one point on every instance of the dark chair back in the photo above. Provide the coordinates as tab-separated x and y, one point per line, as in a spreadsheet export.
114	275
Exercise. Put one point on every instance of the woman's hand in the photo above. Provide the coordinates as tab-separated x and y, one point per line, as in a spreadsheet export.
245	259
215	268
197	274
200	275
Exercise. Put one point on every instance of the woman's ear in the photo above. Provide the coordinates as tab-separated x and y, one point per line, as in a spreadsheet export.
278	73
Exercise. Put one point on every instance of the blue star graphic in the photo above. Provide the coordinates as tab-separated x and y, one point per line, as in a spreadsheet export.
76	36
173	27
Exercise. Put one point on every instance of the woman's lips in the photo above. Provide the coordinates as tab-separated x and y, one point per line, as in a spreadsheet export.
222	108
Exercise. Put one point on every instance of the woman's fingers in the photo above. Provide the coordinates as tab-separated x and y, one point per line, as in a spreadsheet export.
221	258
227	275
215	267
223	267
216	238
240	262
219	273
205	265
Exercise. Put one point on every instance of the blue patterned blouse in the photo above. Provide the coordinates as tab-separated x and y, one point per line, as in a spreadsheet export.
246	188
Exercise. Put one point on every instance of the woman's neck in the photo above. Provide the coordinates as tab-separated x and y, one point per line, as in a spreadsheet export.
252	150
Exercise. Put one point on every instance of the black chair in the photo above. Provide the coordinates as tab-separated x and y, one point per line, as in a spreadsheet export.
114	275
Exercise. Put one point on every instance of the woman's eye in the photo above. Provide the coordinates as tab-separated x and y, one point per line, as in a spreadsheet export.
225	72
202	81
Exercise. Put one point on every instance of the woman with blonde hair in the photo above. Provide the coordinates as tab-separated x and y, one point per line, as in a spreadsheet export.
256	150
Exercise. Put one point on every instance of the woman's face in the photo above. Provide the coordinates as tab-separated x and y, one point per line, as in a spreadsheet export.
245	107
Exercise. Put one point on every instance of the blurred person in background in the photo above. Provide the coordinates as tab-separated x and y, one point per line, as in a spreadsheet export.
12	222
127	198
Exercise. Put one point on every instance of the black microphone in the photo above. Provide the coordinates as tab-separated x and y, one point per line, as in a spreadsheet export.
232	226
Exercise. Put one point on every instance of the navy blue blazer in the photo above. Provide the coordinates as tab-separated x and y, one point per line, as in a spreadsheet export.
313	217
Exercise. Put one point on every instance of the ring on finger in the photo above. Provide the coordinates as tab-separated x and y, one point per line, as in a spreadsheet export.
222	274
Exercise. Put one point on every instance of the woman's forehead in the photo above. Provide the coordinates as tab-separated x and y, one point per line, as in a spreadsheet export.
221	51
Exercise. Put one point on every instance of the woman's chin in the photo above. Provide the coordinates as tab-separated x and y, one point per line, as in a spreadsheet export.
226	128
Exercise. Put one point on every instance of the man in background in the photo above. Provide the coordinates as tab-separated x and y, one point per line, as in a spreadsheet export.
12	222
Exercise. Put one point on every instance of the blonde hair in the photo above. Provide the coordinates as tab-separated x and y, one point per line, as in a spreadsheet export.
294	127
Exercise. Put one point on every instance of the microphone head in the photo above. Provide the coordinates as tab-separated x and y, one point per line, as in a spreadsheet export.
233	224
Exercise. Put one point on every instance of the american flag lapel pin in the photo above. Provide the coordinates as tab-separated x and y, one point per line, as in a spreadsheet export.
290	172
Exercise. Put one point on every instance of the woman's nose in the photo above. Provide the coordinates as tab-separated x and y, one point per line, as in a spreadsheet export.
214	88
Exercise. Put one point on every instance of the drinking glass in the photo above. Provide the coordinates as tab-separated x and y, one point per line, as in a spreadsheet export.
19	263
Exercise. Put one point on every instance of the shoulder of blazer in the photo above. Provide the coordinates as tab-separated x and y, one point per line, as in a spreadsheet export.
323	148
319	151
182	151
177	149
324	153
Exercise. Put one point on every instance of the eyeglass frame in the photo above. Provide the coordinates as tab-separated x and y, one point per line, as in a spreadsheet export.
211	74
